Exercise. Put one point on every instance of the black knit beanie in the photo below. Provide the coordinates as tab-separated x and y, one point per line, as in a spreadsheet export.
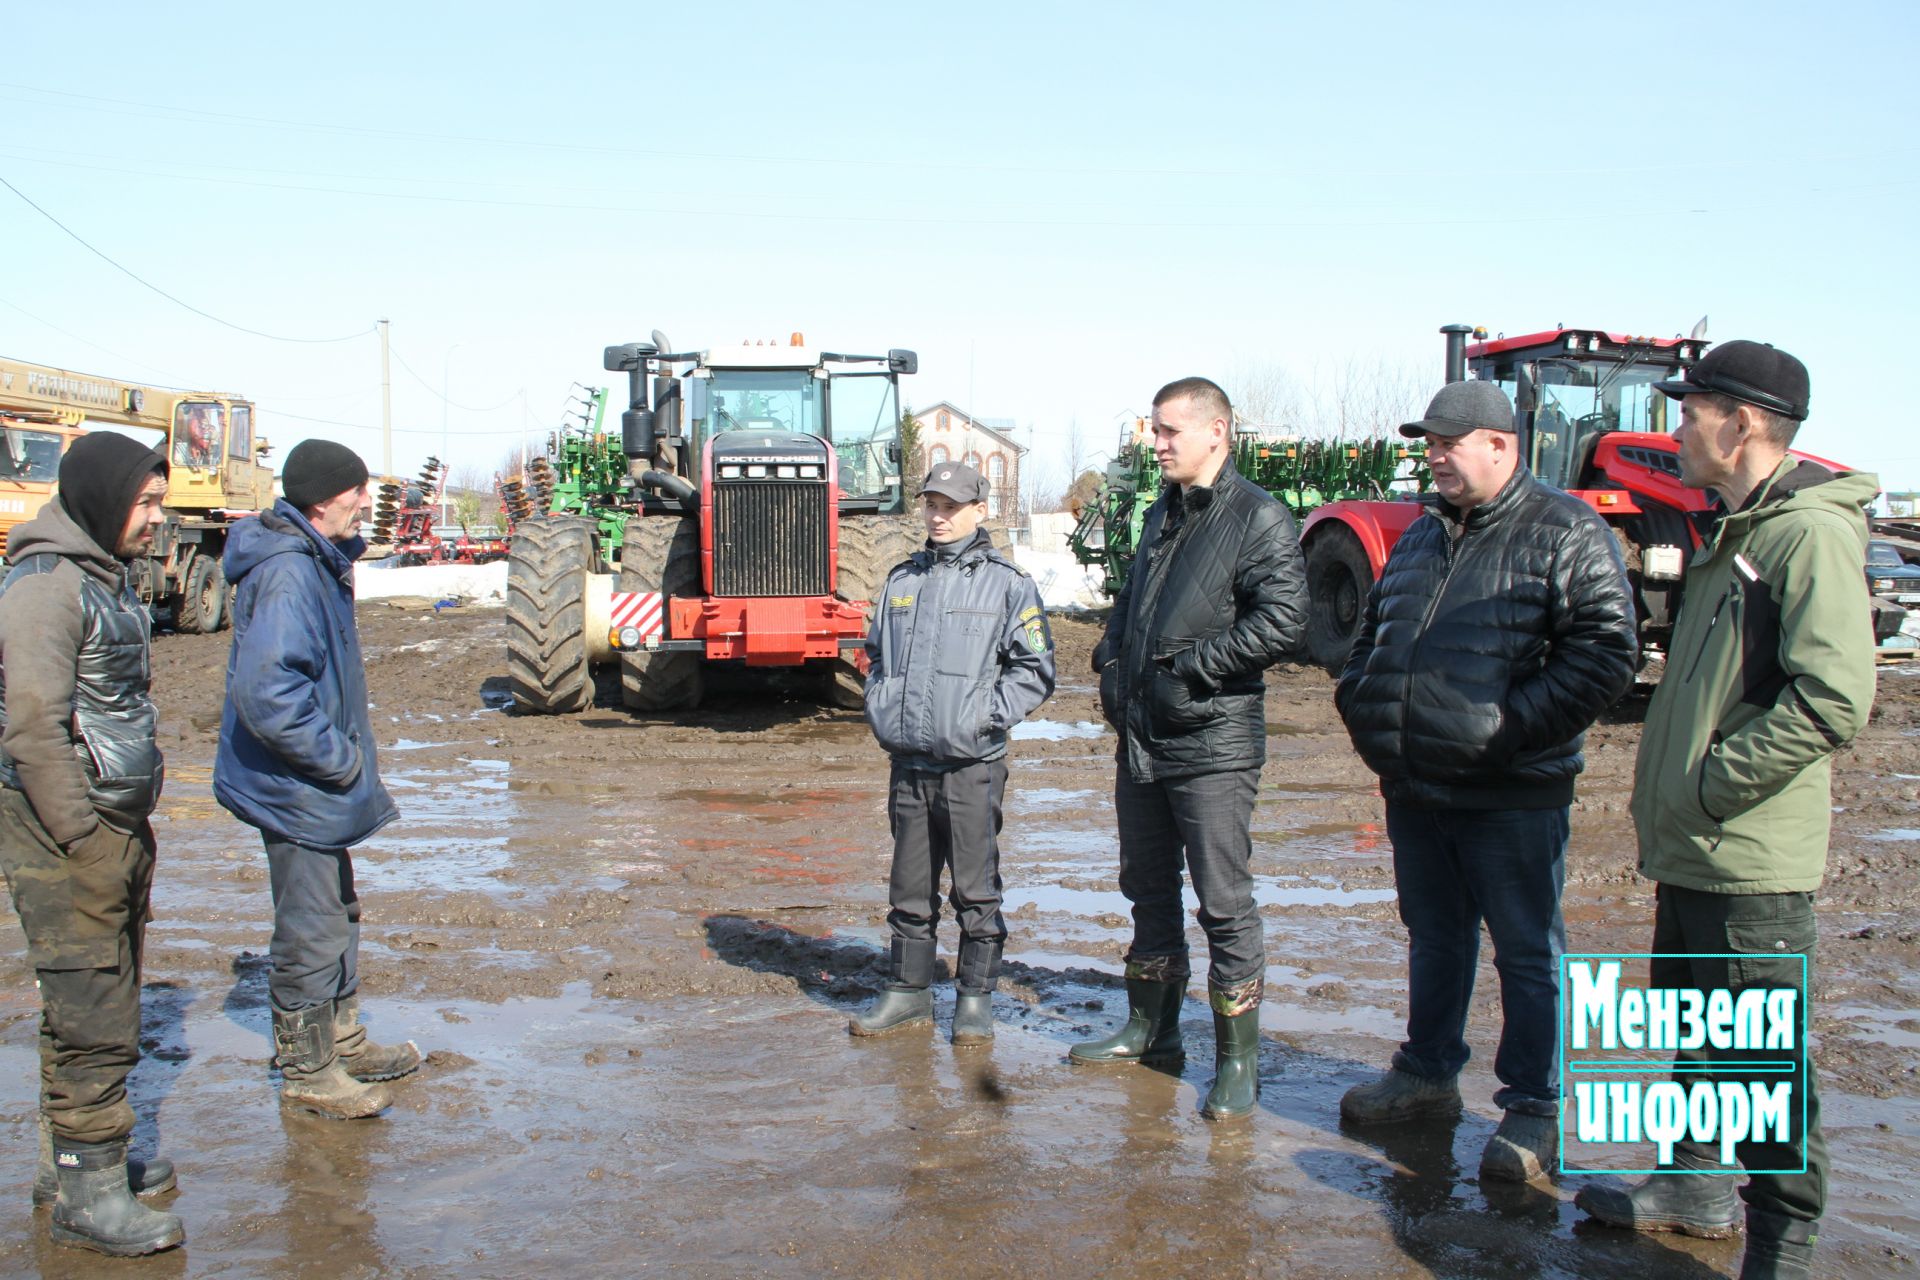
99	478
317	470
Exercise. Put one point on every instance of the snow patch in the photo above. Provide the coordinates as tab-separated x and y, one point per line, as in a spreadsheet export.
471	584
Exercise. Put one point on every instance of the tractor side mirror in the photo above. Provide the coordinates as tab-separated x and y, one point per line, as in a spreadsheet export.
1526	397
699	396
893	453
900	360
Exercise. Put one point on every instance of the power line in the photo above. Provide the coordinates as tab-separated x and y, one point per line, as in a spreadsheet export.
130	274
470	408
409	431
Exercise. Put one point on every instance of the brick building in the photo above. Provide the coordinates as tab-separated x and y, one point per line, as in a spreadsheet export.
948	434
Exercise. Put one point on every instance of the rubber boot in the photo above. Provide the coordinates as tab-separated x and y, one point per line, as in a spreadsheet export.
1693	1204
363	1059
1152	1030
311	1076
1236	1049
905	1002
1400	1095
1525	1148
94	1208
144	1177
979	971
1778	1247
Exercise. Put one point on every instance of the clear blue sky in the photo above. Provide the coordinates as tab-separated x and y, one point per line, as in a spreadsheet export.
1059	206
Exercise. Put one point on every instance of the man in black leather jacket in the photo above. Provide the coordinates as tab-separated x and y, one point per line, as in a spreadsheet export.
1217	595
1500	627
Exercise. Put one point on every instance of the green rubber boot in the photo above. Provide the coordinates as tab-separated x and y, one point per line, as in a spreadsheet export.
1236	1049
1778	1247
1152	1029
975	977
906	1001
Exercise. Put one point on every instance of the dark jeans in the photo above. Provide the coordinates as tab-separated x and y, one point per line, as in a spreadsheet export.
85	915
1203	823
316	925
1693	934
946	820
1454	868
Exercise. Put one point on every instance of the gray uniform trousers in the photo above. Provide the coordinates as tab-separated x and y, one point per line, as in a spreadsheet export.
316	925
948	819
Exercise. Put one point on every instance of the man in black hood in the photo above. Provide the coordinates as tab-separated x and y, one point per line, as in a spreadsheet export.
79	775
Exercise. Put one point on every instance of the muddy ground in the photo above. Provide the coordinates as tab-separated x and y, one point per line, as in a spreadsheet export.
629	948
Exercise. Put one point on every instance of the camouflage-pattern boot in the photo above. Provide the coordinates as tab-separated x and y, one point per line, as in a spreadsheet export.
363	1059
311	1076
144	1177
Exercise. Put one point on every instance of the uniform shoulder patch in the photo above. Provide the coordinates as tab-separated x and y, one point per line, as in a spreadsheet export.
1033	630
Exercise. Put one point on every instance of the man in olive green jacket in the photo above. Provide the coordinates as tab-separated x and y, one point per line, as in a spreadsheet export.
1770	671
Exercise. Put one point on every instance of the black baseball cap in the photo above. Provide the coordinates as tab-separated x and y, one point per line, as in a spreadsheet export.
1757	372
956	480
1460	407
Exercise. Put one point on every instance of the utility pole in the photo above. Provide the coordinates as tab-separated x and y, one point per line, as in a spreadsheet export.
386	406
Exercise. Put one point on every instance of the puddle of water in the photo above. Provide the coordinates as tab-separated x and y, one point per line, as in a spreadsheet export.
1083	840
1041	799
433	862
1268	891
1902	834
1057	731
1888	1026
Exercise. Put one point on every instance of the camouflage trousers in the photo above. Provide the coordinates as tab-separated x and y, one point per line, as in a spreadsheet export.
85	917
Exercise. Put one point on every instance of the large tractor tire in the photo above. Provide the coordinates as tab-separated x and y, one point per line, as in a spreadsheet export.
547	614
661	553
869	548
202	609
1339	576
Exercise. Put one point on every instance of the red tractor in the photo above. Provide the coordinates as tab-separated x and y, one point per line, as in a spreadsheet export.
1589	422
751	522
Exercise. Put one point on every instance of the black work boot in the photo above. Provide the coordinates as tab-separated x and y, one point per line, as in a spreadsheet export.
1692	1203
144	1177
1236	1049
1778	1247
311	1076
363	1059
1152	1031
905	1001
94	1208
978	971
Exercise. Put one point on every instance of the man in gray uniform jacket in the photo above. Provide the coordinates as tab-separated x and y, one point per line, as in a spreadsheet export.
959	653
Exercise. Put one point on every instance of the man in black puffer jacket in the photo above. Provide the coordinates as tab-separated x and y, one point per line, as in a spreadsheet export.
1217	595
1500	627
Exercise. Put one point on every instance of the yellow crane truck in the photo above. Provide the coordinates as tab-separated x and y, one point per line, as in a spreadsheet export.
216	475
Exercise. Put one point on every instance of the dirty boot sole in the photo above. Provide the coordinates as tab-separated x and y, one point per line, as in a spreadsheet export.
388	1064
361	1106
68	1236
905	1024
1611	1207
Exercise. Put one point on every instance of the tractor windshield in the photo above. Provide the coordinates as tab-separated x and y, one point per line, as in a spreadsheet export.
1578	401
785	400
865	416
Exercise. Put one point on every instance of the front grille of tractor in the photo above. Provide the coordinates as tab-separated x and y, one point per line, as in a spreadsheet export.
770	538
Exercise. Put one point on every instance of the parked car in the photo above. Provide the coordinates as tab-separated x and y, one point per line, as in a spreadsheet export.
1890	577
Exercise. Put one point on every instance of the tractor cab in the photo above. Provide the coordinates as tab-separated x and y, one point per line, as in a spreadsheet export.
1570	387
770	413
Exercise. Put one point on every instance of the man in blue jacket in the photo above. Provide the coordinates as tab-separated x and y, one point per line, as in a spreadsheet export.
297	762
